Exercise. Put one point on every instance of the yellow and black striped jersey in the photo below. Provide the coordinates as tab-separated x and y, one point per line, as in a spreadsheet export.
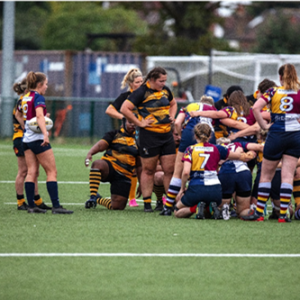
18	131
153	104
122	151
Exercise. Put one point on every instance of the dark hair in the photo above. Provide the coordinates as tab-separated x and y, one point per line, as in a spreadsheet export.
155	74
265	85
289	77
239	101
202	132
34	78
20	87
231	89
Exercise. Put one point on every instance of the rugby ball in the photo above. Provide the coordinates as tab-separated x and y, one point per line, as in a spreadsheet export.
34	126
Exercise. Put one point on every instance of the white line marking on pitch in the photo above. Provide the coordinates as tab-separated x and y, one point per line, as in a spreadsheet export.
144	255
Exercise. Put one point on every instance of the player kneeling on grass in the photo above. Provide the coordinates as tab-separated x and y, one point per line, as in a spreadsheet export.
200	166
117	166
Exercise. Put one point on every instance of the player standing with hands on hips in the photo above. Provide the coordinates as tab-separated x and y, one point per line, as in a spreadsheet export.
157	108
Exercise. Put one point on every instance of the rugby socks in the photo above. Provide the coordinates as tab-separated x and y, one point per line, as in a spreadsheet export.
38	200
263	193
296	194
159	192
147	200
173	191
105	202
133	188
29	189
20	199
286	190
95	178
52	189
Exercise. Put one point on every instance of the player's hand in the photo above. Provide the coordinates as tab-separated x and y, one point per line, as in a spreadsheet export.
146	122
45	141
87	161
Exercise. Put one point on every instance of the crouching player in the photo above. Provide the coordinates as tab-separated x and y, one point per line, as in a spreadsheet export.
201	163
117	166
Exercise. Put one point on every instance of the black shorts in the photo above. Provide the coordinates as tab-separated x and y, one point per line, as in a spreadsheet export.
18	147
119	184
36	147
153	143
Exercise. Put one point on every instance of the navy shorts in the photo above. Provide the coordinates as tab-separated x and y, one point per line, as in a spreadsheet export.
119	184
240	182
18	147
202	193
275	185
36	147
279	143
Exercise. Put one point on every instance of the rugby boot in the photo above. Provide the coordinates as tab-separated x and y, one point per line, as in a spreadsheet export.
200	213
36	210
60	210
24	206
253	216
284	220
148	207
159	206
44	206
216	212
166	211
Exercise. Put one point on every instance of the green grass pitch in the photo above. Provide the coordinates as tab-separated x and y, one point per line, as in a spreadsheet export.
101	254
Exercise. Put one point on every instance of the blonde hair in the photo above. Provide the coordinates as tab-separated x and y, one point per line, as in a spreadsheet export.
202	132
130	76
207	99
289	77
33	78
20	87
223	140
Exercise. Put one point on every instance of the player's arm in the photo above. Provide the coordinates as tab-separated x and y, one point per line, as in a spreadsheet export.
112	112
173	110
178	123
258	106
250	130
234	124
185	175
19	117
214	114
127	110
39	111
100	146
255	147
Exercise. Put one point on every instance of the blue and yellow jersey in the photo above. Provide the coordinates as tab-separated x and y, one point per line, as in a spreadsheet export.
152	104
204	159
285	109
18	131
122	151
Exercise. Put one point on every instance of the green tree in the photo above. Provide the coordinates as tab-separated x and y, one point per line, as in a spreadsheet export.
277	35
68	26
181	28
29	19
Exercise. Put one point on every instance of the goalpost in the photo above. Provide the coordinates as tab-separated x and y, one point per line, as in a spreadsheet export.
222	69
